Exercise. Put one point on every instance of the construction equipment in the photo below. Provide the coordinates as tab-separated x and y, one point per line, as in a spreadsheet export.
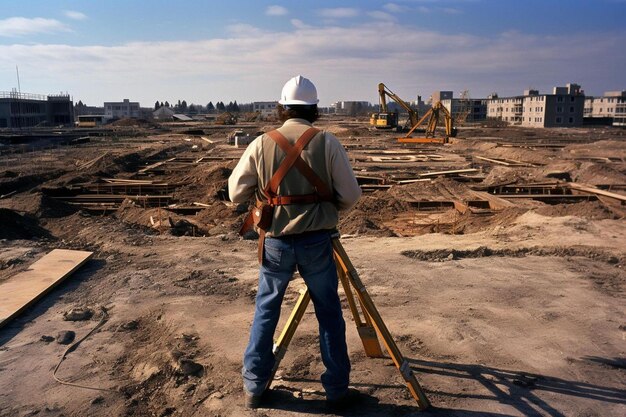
386	119
368	327
434	115
226	118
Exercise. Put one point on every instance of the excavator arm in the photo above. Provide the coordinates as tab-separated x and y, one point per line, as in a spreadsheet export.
384	92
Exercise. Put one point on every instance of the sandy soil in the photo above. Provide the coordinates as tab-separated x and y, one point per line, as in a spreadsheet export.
517	312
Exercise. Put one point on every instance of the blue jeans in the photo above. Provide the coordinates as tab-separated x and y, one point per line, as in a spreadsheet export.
312	254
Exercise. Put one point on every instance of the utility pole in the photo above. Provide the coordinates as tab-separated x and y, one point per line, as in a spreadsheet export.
19	96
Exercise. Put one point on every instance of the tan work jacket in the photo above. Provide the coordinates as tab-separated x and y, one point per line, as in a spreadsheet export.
324	154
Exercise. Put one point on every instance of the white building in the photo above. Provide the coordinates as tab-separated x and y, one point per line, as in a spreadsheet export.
612	104
351	108
265	108
118	110
562	108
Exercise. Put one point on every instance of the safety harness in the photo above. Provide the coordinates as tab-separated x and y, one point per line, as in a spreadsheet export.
273	199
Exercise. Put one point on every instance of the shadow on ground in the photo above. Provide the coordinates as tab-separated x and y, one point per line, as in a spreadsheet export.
518	390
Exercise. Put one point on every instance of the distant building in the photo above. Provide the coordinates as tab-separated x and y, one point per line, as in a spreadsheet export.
351	108
122	109
462	109
563	108
265	108
163	113
22	110
508	109
611	105
91	120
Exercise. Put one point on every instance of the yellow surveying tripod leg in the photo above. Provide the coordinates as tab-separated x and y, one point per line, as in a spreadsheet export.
366	331
379	324
282	343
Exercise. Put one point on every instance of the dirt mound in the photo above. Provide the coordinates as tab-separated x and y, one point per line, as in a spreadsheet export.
157	220
442	189
371	212
11	182
500	175
16	226
587	209
440	255
40	205
204	183
343	132
593	174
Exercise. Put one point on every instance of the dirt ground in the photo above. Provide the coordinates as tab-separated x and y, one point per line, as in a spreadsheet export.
503	306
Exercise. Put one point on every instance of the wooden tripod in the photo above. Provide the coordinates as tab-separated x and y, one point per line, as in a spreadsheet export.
368	327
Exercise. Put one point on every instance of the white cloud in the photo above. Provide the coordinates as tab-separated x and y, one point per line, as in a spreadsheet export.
451	10
344	62
394	8
276	11
338	13
72	14
299	24
22	26
380	15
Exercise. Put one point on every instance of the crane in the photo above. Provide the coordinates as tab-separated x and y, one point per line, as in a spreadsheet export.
386	119
437	112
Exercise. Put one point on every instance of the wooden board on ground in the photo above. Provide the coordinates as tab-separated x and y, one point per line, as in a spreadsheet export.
25	288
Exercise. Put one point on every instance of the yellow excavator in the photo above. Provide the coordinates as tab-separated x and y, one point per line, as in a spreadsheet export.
434	115
386	119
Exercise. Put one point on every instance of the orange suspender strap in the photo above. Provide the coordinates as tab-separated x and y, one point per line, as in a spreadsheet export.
294	152
292	157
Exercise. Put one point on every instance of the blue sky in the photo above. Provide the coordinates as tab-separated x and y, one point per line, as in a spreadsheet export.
245	50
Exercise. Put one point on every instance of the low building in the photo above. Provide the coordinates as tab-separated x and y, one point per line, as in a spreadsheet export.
122	109
563	108
351	108
91	120
23	110
611	106
163	113
265	108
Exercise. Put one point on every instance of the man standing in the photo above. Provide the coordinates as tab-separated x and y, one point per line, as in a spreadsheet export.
302	196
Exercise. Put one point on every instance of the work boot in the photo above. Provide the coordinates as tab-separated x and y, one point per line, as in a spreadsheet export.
251	400
343	402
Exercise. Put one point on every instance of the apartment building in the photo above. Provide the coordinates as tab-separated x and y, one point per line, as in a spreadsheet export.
508	109
24	110
122	109
563	108
265	108
611	105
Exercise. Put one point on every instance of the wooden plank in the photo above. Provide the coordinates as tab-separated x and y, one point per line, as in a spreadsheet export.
597	191
156	165
505	162
550	196
129	181
25	288
495	161
496	203
456	171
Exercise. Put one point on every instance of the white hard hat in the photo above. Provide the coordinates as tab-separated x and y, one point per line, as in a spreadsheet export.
298	91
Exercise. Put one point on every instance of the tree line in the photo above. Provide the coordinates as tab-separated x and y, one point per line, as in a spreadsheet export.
218	107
